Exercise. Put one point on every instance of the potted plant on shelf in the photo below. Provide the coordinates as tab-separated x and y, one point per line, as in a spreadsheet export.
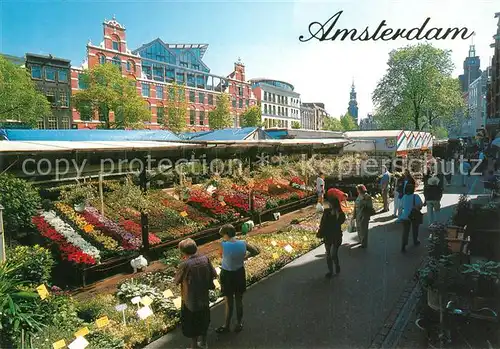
78	196
482	283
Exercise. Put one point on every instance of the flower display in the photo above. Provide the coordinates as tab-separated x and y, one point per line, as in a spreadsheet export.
71	246
214	207
107	242
136	229
239	199
128	240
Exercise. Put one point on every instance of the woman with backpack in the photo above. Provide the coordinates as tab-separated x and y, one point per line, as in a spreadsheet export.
363	210
411	216
330	230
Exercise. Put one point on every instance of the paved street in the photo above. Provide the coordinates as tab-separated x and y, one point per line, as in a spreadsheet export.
298	308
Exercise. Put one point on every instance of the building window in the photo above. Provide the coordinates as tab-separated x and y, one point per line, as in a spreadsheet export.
240	91
102	59
36	72
265	95
63	99
180	78
117	61
234	102
51	96
65	122
265	108
50	74
241	103
184	64
159	92
274	110
130	66
192	117
158	73
62	75
201	97
40	124
248	102
145	90
170	75
52	123
160	114
116	46
192	96
195	66
211	99
202	117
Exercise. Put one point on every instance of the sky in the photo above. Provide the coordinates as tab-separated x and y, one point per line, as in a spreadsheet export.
264	34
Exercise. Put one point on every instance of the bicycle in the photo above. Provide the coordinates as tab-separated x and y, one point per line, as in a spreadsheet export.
452	329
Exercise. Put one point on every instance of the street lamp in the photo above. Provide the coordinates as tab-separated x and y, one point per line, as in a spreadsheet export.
3	257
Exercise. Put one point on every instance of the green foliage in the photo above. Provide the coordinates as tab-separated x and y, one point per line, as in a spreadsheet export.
220	117
20	201
440	132
103	340
176	108
78	194
332	124
35	263
172	257
133	288
19	98
107	90
417	89
252	117
295	124
348	123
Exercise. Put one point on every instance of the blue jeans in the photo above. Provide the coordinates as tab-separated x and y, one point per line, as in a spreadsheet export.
433	208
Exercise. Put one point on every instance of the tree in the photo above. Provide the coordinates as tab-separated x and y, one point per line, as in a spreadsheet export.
19	98
220	117
332	124
176	108
252	117
440	132
417	89
295	124
348	123
107	90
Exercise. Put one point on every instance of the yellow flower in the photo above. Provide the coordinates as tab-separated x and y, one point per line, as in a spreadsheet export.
88	228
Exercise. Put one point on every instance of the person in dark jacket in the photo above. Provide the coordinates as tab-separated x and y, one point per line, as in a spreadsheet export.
433	192
330	230
407	179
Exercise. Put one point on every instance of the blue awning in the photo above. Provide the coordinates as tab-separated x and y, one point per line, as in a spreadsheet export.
87	135
227	134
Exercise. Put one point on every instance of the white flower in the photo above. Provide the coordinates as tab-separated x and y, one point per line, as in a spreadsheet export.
70	234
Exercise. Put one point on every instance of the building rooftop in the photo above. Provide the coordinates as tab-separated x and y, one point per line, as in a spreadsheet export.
272	82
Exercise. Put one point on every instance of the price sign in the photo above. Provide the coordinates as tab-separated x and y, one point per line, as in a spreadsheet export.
121	307
136	300
168	294
288	248
184	214
274	243
79	343
146	300
59	344
178	302
101	322
217	284
42	292
217	270
144	313
83	332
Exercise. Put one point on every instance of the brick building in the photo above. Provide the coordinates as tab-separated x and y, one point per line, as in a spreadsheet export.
154	67
493	95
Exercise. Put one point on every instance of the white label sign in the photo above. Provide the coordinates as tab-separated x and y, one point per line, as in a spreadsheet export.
136	300
121	307
144	313
288	248
79	343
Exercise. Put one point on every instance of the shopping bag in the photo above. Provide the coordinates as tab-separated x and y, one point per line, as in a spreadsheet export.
319	208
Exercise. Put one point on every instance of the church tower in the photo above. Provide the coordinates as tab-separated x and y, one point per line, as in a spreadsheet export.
353	103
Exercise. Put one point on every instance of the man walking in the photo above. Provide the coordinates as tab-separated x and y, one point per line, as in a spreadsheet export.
384	184
320	187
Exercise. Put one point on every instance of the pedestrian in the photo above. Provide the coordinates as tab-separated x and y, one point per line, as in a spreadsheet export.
232	275
397	201
411	216
465	170
320	187
363	210
330	230
433	193
384	186
407	180
448	171
195	275
339	194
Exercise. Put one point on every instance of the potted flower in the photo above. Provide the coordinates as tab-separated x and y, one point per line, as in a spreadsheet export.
78	196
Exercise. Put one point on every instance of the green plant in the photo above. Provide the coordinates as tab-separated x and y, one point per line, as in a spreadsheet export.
35	263
462	211
103	340
482	278
134	288
20	201
172	257
78	194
